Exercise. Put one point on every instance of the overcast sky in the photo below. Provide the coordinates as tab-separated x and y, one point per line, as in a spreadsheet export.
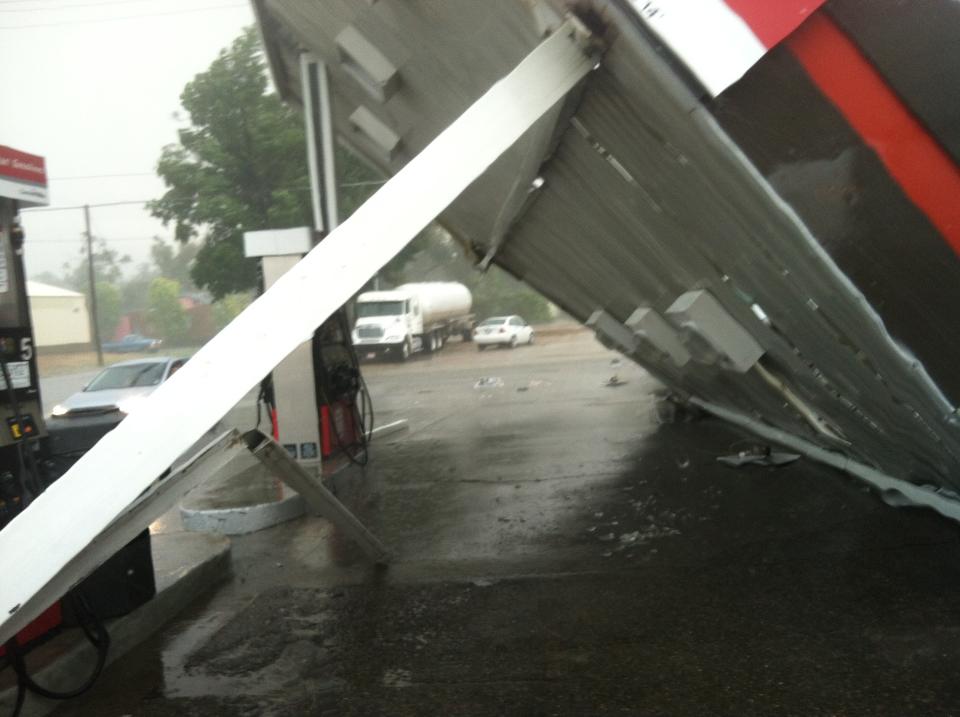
92	85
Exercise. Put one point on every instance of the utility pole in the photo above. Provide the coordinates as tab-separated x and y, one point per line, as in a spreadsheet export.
94	330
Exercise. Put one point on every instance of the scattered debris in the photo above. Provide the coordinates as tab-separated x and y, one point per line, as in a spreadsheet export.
397	678
615	382
483	582
598	514
607	537
615	362
760	456
606	554
489	382
628	538
683	463
671	408
592	529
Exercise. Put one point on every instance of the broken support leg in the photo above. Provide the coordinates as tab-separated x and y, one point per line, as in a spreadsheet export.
311	488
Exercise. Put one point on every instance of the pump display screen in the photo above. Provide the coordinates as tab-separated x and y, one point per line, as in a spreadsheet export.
379	308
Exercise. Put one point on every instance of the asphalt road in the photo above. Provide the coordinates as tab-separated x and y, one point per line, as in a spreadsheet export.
560	551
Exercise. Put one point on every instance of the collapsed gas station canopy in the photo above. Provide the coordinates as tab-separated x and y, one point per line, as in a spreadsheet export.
756	201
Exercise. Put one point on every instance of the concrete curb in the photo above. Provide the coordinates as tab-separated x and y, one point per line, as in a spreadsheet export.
245	519
67	659
241	519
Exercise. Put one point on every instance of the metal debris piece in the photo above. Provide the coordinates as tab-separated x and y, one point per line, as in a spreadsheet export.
615	382
760	456
489	382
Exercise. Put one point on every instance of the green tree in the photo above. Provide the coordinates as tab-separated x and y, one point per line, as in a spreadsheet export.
135	291
108	309
173	262
240	166
227	308
107	266
164	312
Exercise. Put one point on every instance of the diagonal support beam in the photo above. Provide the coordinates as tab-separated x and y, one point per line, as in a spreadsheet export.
52	531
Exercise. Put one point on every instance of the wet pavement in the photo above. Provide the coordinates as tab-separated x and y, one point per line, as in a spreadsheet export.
561	552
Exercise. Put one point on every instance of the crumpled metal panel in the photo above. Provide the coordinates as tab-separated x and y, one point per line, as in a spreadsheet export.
696	215
645	197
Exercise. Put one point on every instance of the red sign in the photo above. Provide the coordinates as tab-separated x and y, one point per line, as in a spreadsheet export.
23	176
20	165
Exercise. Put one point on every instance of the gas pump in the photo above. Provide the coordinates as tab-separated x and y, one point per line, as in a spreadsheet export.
22	183
33	453
322	408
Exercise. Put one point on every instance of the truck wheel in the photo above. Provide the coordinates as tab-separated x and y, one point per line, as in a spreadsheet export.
480	347
467	335
404	350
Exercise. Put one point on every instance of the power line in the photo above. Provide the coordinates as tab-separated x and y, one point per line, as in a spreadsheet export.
81	206
101	176
64	7
129	202
108	240
21	2
123	17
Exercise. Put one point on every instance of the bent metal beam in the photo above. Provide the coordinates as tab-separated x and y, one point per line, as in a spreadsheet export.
53	530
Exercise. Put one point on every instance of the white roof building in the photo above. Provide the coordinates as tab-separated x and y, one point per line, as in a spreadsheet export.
59	316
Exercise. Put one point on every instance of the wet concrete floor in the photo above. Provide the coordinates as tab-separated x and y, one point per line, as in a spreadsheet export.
560	552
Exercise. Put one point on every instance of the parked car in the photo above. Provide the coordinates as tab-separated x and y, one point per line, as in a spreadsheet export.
132	343
502	331
119	388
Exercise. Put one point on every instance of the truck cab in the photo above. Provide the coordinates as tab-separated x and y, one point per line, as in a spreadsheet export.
412	317
389	323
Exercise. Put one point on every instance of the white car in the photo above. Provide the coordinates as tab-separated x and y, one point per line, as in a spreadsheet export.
119	388
502	331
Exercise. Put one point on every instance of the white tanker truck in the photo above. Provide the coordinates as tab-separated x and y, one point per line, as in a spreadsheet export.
411	318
